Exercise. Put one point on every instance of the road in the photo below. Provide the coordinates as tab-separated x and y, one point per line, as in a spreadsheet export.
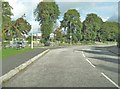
14	61
80	66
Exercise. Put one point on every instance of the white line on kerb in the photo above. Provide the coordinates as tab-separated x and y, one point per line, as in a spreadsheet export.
110	80
90	63
83	54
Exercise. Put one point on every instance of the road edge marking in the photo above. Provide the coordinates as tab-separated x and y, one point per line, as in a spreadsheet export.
16	70
110	80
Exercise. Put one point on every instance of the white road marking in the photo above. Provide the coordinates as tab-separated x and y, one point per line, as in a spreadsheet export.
101	73
110	80
88	60
86	49
83	54
90	63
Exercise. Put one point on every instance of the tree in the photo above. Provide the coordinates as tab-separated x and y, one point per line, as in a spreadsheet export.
0	19
23	26
6	14
118	40
91	26
17	28
72	23
109	31
58	34
46	29
46	13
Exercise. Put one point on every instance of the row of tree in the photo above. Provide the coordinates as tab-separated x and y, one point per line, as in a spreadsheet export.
91	29
16	28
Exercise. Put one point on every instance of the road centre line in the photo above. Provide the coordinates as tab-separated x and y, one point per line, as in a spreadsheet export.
86	49
88	60
90	63
101	73
83	54
110	80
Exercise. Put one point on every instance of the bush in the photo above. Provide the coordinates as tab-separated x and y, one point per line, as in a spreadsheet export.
118	41
29	40
47	43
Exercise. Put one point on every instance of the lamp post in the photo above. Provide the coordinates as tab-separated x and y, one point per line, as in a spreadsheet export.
32	32
52	37
32	40
70	34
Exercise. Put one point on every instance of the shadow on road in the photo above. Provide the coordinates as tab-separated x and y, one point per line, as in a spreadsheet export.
101	52
113	49
108	68
113	60
110	55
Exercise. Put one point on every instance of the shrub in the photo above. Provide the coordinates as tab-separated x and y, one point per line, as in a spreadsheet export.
118	41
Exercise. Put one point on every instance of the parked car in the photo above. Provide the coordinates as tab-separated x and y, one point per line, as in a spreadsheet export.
20	45
17	45
47	43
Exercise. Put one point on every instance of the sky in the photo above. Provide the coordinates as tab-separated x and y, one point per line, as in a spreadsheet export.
103	8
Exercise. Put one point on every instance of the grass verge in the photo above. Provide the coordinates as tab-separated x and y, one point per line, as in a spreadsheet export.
9	52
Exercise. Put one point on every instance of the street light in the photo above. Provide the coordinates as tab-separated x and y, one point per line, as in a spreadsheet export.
32	40
70	38
70	34
32	32
52	37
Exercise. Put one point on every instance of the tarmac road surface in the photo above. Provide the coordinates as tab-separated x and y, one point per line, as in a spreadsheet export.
80	66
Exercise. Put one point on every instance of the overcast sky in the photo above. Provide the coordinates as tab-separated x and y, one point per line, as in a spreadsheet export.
103	8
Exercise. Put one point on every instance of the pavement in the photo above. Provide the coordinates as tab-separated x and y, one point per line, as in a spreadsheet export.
80	66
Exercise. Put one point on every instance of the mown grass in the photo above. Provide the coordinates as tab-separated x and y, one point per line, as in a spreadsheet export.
9	52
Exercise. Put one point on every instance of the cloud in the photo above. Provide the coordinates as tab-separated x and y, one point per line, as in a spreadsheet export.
18	8
105	18
21	7
104	9
35	26
87	0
